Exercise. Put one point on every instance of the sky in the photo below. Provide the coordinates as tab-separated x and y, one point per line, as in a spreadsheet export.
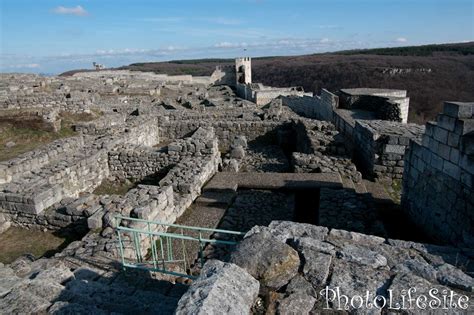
50	37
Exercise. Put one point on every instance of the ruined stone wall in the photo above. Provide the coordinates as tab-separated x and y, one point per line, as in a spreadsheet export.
35	192
74	165
438	178
74	101
224	76
344	123
305	106
328	102
321	149
108	123
226	131
33	160
380	146
137	162
264	97
245	92
176	191
391	106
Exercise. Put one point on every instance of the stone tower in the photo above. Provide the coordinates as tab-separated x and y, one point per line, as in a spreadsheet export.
243	70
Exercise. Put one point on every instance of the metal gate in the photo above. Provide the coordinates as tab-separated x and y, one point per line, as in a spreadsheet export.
163	247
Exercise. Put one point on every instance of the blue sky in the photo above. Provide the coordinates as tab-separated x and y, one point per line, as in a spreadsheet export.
46	36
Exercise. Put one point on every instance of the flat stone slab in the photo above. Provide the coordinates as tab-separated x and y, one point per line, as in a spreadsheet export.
223	181
215	198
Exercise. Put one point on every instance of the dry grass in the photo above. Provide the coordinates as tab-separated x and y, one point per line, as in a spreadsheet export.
18	241
27	137
108	187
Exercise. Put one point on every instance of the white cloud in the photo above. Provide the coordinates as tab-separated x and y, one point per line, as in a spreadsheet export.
77	10
324	40
24	66
227	45
401	40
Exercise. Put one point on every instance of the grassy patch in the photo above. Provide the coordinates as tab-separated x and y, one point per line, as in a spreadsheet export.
18	241
108	187
395	190
26	137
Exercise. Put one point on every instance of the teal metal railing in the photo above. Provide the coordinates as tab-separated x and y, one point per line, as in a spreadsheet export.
166	244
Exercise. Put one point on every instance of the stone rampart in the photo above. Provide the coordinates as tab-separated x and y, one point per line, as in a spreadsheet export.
439	176
380	146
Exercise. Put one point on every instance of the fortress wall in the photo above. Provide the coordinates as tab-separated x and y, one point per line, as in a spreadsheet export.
439	176
318	107
224	76
404	106
266	96
305	106
380	146
245	92
226	131
327	104
344	124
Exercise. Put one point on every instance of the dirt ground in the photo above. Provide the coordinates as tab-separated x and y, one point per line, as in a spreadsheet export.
19	241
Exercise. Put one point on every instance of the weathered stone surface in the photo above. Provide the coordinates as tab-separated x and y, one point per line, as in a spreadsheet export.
356	237
287	230
221	288
316	267
418	286
297	303
23	302
8	280
300	285
352	279
418	267
362	255
267	259
311	244
449	275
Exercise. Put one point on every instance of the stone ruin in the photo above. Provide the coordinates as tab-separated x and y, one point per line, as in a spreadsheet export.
307	178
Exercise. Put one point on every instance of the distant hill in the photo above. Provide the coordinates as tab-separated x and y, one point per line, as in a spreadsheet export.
424	50
430	73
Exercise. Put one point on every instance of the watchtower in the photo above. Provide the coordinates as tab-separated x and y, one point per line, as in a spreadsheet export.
243	70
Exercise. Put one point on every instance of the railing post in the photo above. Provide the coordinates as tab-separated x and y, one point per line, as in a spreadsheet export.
153	246
120	244
201	255
184	251
162	253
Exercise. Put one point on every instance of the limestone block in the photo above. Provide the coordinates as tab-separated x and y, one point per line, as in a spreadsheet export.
397	149
267	259
95	221
221	288
458	109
